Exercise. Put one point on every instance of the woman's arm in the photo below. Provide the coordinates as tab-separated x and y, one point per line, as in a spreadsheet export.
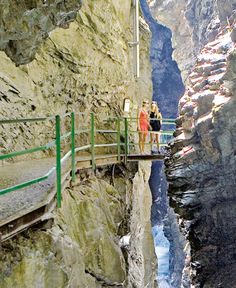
160	117
138	120
148	121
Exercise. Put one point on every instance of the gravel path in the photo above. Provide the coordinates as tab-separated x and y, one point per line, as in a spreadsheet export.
16	173
12	174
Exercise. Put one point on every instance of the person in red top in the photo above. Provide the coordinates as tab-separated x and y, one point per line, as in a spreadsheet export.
143	125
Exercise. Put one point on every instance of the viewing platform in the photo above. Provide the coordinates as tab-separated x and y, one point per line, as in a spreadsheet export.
31	189
145	157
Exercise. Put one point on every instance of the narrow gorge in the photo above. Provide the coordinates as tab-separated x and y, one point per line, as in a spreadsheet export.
58	57
201	167
201	184
120	221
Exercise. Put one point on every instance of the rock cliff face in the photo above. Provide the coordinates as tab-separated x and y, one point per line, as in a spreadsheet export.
166	77
87	67
26	24
193	24
202	165
142	262
55	60
82	248
162	214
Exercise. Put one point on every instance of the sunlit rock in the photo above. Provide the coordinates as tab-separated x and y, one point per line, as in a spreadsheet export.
201	172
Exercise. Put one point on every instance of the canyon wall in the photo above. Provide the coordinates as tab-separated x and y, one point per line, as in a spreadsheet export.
86	67
168	86
202	164
24	26
57	58
193	24
83	248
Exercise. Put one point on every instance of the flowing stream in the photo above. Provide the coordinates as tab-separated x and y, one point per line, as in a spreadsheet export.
162	249
168	87
158	187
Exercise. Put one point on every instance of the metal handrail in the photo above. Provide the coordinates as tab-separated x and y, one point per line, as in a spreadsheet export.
83	148
73	149
9	121
37	119
106	131
162	119
162	132
106	145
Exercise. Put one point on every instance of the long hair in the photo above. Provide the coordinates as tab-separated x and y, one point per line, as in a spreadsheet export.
156	110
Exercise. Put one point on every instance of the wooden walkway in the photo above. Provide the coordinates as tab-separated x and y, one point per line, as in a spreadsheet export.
34	204
145	157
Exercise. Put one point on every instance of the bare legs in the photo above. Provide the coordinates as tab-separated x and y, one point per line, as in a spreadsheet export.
142	140
157	141
154	137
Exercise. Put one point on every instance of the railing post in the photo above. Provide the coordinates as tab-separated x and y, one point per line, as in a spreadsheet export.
73	168
126	140
58	159
118	138
92	141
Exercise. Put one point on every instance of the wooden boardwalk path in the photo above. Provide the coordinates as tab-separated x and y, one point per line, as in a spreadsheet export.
30	190
23	208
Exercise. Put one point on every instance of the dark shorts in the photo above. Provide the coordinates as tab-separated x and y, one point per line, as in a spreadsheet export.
156	125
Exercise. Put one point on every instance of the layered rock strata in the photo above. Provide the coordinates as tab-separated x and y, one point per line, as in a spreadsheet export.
83	247
166	76
202	165
87	67
193	23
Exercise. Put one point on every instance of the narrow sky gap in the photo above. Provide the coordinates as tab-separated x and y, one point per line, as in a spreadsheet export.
168	86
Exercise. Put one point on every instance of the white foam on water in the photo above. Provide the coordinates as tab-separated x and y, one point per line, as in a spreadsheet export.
162	249
162	283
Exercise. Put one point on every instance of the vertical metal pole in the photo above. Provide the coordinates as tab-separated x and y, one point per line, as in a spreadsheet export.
118	137
136	38
58	159
92	141
126	140
73	146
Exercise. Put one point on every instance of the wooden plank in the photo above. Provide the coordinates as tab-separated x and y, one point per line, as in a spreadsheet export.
143	157
24	219
21	221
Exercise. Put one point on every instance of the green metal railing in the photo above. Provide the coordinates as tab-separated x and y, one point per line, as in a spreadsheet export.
123	131
92	140
73	164
58	159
